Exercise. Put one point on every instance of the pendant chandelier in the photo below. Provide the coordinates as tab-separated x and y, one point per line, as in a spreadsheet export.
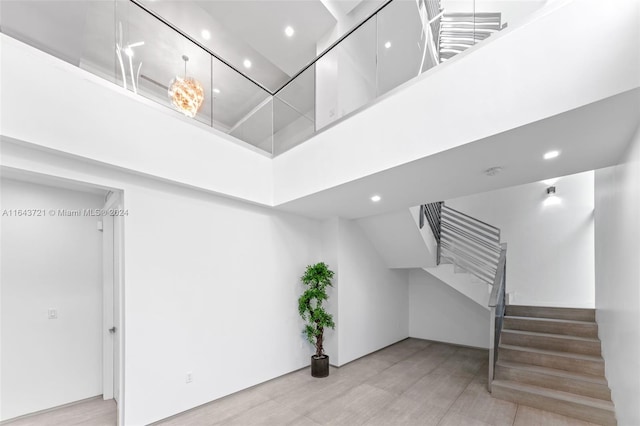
186	93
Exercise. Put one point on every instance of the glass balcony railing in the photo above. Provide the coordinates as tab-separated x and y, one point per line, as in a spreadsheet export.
128	44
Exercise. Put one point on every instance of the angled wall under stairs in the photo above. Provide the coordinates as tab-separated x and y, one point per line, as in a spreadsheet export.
549	358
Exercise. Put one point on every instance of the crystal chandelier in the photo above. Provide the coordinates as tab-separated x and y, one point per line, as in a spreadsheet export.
186	93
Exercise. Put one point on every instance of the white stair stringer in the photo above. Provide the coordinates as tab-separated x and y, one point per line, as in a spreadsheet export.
399	240
464	283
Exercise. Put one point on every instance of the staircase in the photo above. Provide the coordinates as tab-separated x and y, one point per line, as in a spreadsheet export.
549	358
468	251
459	31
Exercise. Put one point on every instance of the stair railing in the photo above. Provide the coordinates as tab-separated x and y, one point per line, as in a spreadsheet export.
469	243
497	303
474	246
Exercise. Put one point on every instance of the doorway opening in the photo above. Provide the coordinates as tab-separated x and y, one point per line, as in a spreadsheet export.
61	296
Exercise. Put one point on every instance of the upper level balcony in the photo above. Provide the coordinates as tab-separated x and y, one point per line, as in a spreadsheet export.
271	74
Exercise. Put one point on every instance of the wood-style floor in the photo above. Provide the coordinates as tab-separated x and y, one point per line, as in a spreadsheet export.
413	382
94	412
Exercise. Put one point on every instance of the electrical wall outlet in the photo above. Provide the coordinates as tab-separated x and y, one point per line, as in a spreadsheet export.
188	377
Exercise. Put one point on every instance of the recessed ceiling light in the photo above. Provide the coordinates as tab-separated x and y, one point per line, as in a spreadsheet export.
387	45
289	31
247	63
206	34
216	90
551	154
376	198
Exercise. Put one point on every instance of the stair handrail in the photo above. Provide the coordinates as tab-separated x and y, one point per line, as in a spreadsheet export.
497	303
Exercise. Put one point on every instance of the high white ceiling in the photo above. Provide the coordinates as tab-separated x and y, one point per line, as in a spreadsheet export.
254	30
261	24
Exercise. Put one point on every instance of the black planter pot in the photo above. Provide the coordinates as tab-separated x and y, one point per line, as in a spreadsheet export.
320	366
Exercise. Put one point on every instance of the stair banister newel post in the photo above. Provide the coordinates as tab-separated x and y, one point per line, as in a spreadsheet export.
492	335
497	303
433	213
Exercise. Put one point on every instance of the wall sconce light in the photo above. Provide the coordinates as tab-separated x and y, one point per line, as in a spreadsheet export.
552	199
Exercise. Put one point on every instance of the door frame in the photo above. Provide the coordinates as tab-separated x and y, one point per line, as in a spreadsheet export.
113	300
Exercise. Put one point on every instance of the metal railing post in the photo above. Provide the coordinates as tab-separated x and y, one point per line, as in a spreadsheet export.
492	340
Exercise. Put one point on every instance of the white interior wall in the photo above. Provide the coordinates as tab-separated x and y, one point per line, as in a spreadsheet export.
438	312
550	255
373	299
49	262
617	231
211	288
331	256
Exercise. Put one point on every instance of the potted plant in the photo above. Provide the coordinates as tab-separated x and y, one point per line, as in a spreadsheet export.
316	279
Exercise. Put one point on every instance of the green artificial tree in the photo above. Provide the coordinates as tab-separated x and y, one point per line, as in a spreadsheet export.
316	278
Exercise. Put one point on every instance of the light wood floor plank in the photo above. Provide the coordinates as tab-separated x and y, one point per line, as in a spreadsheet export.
414	382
